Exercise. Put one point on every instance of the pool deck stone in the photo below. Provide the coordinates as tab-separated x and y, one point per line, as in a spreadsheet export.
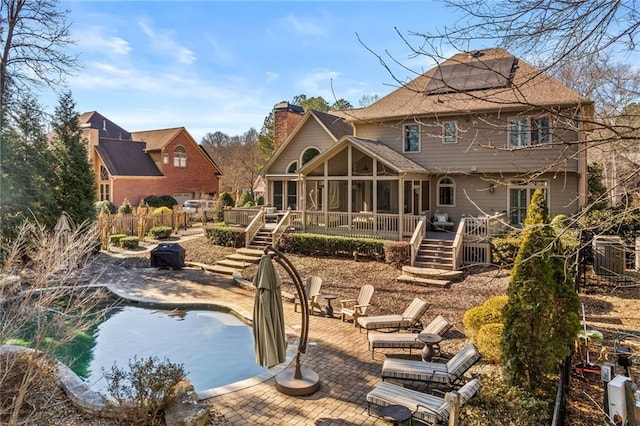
336	351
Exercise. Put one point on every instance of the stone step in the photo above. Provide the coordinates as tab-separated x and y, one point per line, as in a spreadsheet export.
250	252
244	258
231	263
435	273
434	265
224	270
428	282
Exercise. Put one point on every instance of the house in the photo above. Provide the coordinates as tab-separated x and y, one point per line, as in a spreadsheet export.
472	137
134	165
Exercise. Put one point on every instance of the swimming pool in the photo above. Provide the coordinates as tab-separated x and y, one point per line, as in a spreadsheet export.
216	348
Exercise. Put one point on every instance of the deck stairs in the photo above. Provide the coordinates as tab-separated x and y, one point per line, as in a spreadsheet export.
433	266
261	239
232	264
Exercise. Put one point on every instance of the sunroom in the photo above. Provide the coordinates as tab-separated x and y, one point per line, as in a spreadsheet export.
357	187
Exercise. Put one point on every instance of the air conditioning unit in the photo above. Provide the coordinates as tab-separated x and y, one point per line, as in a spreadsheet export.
617	399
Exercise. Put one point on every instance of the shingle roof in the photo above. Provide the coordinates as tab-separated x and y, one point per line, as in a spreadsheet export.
156	139
106	127
334	124
528	86
126	158
382	151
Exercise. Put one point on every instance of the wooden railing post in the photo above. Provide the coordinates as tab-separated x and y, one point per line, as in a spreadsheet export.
453	398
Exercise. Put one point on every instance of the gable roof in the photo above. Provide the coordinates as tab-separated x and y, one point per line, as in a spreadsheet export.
485	80
126	158
375	149
157	139
106	128
335	127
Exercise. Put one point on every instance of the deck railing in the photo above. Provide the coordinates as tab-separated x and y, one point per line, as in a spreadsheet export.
254	226
416	238
283	224
239	216
362	225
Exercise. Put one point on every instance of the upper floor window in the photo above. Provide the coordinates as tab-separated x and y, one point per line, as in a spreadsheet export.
180	157
450	132
104	173
293	167
411	138
165	158
309	154
446	192
529	131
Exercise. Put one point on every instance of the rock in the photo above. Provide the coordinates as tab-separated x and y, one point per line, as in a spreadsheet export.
184	408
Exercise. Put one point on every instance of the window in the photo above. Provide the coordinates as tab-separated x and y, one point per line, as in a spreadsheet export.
529	132
180	157
293	167
309	155
277	194
450	132
104	184
519	197
165	158
292	197
411	138
446	192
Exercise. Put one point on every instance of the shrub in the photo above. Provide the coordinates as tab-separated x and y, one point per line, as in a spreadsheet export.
129	242
125	207
397	253
161	201
161	232
105	204
505	249
145	390
260	200
226	236
498	404
488	340
161	210
226	200
246	199
487	313
331	246
116	238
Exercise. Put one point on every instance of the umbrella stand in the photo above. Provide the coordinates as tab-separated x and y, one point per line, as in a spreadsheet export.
296	381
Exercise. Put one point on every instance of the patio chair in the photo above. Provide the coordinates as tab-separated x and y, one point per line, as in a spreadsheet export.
448	374
409	318
377	340
312	290
426	408
356	308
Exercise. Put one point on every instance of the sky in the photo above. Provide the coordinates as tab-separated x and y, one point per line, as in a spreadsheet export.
214	66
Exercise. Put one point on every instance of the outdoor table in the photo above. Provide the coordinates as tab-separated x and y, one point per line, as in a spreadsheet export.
396	413
429	339
329	309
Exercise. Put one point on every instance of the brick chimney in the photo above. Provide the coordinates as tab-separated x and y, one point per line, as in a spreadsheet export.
285	118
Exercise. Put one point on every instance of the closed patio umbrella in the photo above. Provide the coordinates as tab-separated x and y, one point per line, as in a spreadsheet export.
270	341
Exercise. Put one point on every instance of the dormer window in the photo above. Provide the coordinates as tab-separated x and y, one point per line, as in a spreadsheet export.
180	157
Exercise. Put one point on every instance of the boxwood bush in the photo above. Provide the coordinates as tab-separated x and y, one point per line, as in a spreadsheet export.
161	232
331	246
115	239
129	242
226	236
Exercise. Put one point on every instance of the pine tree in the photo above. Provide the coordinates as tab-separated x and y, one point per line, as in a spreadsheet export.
76	187
529	350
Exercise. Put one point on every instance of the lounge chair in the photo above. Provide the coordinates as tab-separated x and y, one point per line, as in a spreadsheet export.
312	290
429	409
449	374
377	340
356	308
409	318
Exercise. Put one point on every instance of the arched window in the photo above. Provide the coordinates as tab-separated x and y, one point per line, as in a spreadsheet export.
104	187
446	192
180	157
309	154
293	167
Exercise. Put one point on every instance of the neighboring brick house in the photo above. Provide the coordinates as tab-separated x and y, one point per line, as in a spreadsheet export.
134	165
475	135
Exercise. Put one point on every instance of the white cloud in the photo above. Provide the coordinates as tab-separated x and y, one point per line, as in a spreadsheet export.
271	76
164	43
219	53
318	83
308	27
94	39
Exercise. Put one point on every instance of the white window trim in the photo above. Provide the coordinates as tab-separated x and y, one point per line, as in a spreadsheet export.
529	127
165	158
300	163
176	159
438	185
286	170
444	132
528	186
404	138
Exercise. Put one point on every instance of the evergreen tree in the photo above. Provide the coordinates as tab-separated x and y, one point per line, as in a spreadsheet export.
529	350
266	139
76	187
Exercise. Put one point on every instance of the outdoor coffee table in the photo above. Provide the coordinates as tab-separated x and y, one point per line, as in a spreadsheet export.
395	413
429	339
329	309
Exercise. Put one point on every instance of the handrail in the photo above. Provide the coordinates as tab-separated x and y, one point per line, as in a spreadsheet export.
280	228
252	229
416	238
458	245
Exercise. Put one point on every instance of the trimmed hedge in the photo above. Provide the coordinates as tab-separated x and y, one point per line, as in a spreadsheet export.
115	239
226	236
331	246
129	242
161	232
489	340
490	312
397	253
